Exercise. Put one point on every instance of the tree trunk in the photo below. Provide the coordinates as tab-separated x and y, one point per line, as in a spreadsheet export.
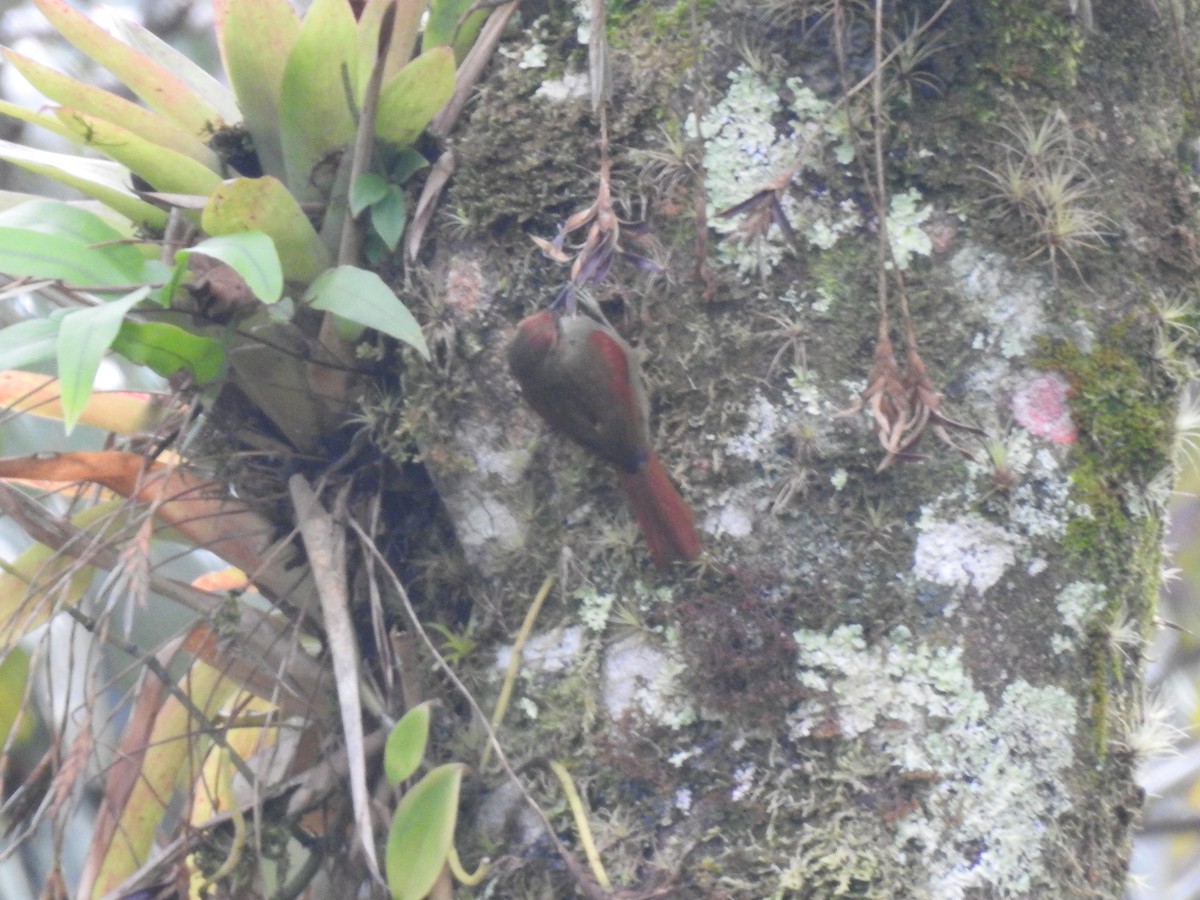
916	682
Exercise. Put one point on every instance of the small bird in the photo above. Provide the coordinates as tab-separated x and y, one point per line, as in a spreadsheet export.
584	380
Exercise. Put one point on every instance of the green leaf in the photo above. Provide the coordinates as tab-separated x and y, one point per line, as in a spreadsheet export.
166	348
83	337
442	28
442	22
88	229
407	162
24	343
362	297
264	204
255	38
315	118
41	119
160	88
99	178
14	673
413	97
57	217
405	746
39	255
422	833
252	255
389	216
166	170
369	188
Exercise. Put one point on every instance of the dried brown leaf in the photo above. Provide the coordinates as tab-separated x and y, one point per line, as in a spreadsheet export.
903	404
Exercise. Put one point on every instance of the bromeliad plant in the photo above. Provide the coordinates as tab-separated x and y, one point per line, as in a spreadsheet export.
319	125
222	246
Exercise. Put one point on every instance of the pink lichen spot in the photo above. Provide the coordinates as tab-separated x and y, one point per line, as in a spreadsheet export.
1041	405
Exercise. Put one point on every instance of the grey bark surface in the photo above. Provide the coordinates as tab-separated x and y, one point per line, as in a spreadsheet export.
920	682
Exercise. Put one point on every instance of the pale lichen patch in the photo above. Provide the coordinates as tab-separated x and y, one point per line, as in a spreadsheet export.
966	552
979	827
571	86
745	150
1013	304
757	439
1078	604
1027	741
640	677
731	515
906	235
549	653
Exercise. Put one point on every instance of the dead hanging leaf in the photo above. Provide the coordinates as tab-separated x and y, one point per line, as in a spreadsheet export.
765	208
601	245
886	397
903	404
761	211
197	508
325	545
125	412
928	401
123	776
220	294
156	751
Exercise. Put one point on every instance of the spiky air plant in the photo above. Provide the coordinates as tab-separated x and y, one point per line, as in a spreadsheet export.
1042	184
910	73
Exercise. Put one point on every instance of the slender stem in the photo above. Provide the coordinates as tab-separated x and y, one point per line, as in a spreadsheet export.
881	198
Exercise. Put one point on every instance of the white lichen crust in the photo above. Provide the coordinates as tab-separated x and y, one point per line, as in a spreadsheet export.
994	770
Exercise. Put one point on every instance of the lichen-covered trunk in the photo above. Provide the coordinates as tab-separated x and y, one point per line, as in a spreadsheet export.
908	663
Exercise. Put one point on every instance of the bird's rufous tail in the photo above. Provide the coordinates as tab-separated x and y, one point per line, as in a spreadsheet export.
664	517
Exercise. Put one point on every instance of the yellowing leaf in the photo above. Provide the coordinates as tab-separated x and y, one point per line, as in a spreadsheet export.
40	580
124	412
159	747
108	106
201	511
158	86
413	97
204	84
212	794
404	37
166	170
14	673
256	38
264	204
42	119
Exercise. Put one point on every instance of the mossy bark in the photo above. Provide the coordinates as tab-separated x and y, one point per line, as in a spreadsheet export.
919	682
